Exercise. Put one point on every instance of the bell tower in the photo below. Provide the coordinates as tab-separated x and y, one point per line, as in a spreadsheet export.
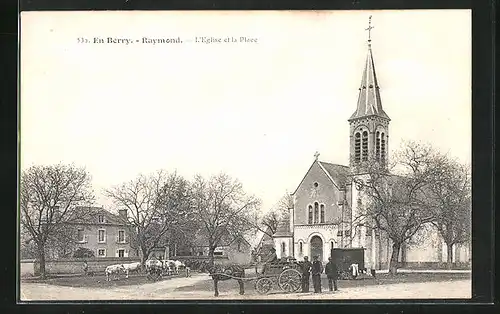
369	124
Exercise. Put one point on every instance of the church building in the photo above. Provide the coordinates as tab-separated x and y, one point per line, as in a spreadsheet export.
326	201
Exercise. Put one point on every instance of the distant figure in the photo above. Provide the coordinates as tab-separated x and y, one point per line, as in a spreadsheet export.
354	269
332	273
188	271
306	272
317	269
373	273
85	267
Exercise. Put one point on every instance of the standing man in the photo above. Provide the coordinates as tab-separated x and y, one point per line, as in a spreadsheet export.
85	267
317	269
332	273
306	272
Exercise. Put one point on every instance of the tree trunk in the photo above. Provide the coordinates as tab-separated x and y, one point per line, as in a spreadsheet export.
449	257
144	256
211	250
393	263
41	259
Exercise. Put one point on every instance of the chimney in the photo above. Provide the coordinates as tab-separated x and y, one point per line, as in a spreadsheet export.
122	213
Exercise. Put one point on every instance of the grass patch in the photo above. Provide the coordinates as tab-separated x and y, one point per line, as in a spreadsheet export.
97	281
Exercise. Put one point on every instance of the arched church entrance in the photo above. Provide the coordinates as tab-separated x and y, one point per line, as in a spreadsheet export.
316	248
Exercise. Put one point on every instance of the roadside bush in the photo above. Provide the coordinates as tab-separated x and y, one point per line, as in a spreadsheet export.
83	253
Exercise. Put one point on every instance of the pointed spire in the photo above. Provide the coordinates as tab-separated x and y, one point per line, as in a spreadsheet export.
369	101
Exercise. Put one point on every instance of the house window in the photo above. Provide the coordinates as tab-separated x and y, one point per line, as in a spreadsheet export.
322	214
80	236
365	146
101	235
121	253
101	252
283	247
331	245
121	236
310	214
316	212
219	253
357	147
300	248
100	218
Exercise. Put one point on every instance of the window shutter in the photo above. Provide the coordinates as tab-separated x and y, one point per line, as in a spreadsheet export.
116	254
126	253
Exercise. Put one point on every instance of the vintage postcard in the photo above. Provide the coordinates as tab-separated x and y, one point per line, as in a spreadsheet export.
293	155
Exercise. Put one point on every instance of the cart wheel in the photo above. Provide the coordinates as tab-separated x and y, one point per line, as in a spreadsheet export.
263	285
289	280
154	275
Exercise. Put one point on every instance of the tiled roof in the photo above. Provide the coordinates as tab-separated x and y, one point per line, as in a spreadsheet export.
283	229
369	101
339	173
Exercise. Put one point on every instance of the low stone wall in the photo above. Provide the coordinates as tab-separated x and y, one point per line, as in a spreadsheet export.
434	265
72	265
27	268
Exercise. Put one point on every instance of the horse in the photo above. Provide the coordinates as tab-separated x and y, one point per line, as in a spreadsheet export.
222	273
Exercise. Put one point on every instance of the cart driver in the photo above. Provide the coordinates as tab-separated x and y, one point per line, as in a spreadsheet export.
272	258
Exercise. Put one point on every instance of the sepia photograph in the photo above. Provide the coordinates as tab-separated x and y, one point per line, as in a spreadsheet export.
245	155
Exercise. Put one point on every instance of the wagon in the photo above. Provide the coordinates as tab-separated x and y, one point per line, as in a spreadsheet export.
283	274
344	257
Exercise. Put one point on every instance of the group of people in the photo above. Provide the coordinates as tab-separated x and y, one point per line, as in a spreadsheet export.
314	270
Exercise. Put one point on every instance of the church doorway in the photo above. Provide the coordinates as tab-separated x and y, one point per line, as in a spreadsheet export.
316	248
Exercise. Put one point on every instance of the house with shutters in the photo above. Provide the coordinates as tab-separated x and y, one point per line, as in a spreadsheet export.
327	200
103	232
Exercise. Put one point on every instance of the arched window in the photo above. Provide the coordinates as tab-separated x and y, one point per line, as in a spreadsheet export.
365	146
310	219
331	245
283	248
301	249
316	212
322	214
377	146
357	147
382	147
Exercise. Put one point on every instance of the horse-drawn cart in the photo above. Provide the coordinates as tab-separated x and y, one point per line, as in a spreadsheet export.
284	275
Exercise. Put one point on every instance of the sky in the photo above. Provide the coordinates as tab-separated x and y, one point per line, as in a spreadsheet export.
255	110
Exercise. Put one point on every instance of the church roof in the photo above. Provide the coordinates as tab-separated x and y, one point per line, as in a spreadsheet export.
283	229
337	173
369	101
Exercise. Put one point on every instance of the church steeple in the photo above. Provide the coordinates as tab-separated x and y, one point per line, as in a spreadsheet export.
369	124
369	101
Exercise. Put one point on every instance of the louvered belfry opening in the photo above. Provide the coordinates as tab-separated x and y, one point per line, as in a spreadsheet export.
377	146
382	148
357	148
365	146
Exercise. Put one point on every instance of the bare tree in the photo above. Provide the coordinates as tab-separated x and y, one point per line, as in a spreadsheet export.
449	196
155	204
223	210
395	200
48	197
270	220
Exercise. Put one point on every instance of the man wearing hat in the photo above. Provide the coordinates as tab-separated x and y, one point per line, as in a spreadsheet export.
306	272
271	259
332	273
317	269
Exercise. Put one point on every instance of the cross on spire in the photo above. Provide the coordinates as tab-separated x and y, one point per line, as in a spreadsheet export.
316	155
369	29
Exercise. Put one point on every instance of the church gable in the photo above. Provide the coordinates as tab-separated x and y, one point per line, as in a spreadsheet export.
319	192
